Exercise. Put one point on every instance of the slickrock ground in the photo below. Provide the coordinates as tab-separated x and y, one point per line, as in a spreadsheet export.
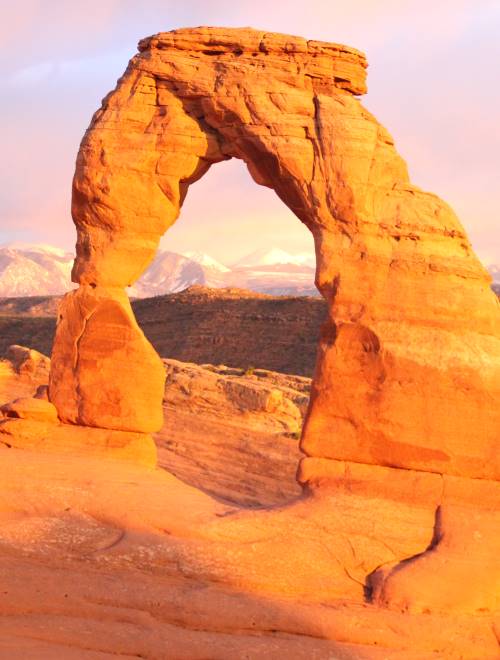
233	434
102	558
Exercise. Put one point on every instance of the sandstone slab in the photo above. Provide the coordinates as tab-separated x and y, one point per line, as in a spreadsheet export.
30	408
77	441
139	562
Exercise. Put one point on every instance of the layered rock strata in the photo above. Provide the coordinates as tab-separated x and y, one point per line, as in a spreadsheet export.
408	367
233	393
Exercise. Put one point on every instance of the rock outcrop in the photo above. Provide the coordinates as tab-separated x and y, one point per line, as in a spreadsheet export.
30	421
30	408
28	362
231	392
407	378
104	371
233	433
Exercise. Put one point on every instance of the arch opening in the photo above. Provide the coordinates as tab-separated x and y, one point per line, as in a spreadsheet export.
239	349
228	215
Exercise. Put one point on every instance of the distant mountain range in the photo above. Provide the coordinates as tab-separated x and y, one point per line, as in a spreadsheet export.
40	270
31	270
495	274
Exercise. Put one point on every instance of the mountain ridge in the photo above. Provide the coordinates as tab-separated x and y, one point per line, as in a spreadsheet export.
40	270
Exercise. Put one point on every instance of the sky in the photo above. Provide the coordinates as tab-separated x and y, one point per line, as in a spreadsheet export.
433	82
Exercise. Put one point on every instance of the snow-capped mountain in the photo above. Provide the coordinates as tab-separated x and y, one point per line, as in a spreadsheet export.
274	271
214	272
494	271
41	270
28	270
169	273
206	261
275	256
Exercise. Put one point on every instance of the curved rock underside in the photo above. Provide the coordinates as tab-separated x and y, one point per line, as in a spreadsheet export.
406	391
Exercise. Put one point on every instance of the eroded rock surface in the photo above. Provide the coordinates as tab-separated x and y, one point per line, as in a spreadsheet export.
104	371
233	434
34	408
104	558
251	396
28	362
22	372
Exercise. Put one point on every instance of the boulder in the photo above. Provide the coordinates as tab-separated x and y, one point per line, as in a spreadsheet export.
30	408
105	373
28	362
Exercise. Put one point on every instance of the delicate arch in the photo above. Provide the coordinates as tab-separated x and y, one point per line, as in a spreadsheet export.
405	292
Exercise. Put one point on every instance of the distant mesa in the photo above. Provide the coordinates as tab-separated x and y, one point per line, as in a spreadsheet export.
201	324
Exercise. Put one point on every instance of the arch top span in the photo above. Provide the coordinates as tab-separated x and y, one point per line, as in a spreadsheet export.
191	98
324	62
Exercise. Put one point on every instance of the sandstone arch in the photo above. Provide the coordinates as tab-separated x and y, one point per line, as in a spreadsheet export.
408	370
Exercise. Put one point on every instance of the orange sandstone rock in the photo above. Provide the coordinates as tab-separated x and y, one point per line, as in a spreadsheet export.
30	408
218	391
37	435
104	371
28	362
408	370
